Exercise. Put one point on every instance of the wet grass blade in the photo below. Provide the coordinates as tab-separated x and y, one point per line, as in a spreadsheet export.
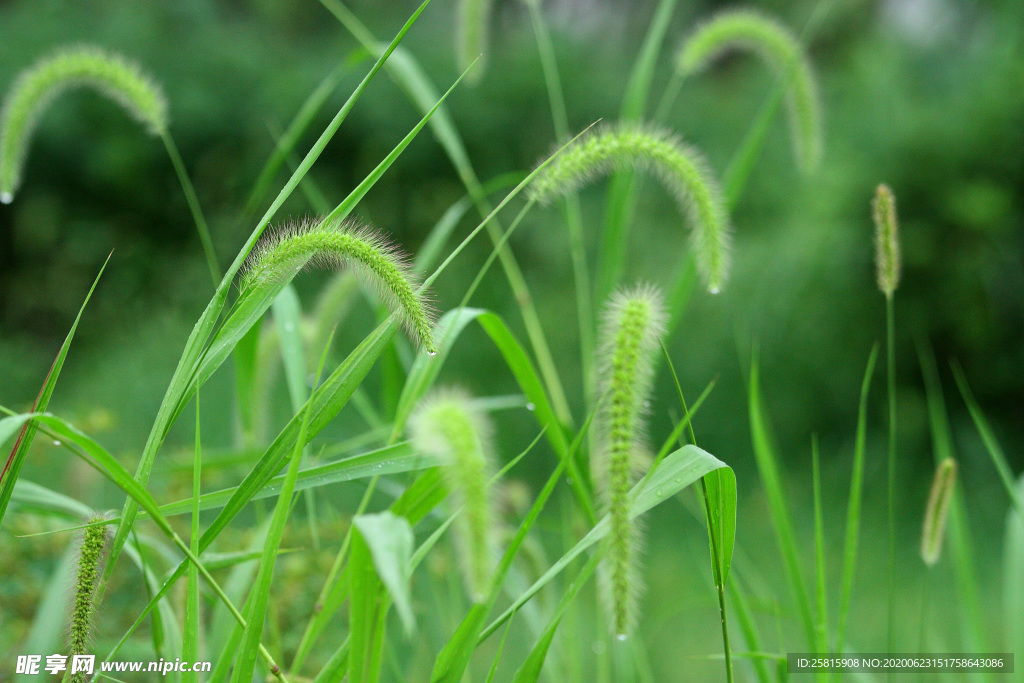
12	468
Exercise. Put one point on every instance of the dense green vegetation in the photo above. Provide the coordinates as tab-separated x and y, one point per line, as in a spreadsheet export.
617	302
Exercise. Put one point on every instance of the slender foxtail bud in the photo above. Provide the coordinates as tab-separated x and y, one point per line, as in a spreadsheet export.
447	426
37	86
335	243
633	322
887	239
775	44
83	609
937	511
472	36
681	169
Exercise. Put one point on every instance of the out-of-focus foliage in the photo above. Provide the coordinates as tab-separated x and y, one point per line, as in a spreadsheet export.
924	95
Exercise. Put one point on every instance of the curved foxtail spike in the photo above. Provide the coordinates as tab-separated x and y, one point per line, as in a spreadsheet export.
446	425
887	240
83	608
472	36
37	86
335	243
681	169
750	31
943	486
634	321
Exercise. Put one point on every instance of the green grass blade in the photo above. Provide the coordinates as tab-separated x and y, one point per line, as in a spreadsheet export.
325	402
12	468
259	596
530	671
190	639
821	577
289	140
974	627
287	312
178	391
102	461
851	538
988	437
768	469
380	557
29	495
49	624
748	627
1013	570
678	470
411	77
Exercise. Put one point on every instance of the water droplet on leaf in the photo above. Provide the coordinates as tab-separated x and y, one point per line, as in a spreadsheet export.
6	197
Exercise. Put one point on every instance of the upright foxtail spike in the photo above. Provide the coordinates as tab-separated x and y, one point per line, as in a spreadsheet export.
447	426
935	515
752	32
680	168
634	321
82	66
83	609
335	243
887	240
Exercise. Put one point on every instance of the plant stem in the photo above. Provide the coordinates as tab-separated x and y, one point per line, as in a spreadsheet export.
193	206
890	324
573	214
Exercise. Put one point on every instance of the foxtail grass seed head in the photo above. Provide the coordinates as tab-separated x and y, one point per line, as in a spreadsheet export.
37	86
749	31
83	609
681	169
314	242
887	240
936	513
447	426
472	36
634	321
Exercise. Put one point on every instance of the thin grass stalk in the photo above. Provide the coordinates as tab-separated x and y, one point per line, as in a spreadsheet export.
190	638
621	194
890	345
851	539
573	212
193	206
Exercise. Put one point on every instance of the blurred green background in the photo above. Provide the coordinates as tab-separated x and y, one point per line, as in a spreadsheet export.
926	95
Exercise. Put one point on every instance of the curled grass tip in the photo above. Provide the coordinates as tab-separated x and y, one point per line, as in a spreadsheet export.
937	511
681	169
634	320
750	31
83	609
334	243
447	426
36	87
472	36
887	239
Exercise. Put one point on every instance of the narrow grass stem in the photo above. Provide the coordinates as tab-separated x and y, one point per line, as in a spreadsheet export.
193	207
926	585
890	325
573	212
